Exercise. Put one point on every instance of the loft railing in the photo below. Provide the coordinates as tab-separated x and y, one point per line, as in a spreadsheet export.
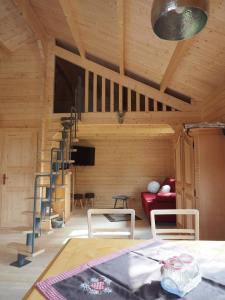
103	95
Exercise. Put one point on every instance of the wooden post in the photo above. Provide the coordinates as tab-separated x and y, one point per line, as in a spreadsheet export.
103	94
146	104
138	100
111	96
86	108
154	105
120	98
129	100
95	93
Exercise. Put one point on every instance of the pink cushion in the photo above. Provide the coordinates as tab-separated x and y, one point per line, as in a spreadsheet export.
171	182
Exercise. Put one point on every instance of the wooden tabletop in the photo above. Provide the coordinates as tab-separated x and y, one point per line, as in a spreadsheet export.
77	252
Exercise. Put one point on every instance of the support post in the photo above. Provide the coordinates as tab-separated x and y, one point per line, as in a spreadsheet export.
21	261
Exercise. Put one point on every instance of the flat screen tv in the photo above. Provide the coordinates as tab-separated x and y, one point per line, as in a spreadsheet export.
84	156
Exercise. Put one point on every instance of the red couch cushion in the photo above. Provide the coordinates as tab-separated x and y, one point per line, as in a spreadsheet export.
166	197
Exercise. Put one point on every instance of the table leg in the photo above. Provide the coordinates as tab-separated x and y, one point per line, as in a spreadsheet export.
115	203
81	204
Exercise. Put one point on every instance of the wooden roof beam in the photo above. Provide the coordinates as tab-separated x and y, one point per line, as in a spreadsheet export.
124	80
35	25
176	58
121	33
71	18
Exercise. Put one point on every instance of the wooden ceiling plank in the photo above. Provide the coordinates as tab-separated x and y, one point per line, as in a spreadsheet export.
71	19
174	62
213	97
124	80
4	50
33	22
121	33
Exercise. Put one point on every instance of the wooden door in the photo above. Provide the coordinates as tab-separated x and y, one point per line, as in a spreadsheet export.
185	179
188	177
18	164
179	177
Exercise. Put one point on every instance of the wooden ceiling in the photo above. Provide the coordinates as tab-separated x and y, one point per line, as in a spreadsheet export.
118	34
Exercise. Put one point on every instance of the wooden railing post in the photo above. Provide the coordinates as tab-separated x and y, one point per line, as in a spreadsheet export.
128	99
120	98
103	94
146	104
86	108
138	100
154	105
111	96
95	93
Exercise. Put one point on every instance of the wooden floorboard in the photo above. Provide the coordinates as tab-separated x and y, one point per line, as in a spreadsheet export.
14	282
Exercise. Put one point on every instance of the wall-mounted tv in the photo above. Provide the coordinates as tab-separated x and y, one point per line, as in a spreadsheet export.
84	156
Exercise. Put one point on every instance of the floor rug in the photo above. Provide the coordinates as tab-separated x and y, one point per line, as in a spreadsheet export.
119	218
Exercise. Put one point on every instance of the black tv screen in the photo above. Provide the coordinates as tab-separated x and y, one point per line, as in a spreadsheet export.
84	156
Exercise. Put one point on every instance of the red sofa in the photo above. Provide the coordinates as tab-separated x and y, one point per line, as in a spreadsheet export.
160	201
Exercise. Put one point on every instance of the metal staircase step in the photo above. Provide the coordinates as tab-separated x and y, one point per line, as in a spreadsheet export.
53	186
58	161
65	161
49	150
75	140
30	212
38	198
56	140
25	230
25	250
53	216
45	173
46	199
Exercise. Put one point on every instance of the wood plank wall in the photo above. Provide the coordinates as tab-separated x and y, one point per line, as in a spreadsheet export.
21	88
125	166
214	109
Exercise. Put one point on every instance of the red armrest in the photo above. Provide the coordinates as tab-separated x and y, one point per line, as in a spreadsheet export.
148	197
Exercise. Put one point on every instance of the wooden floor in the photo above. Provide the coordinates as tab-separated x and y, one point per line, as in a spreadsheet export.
14	282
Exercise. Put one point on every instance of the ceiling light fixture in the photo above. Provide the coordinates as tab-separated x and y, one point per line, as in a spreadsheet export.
178	19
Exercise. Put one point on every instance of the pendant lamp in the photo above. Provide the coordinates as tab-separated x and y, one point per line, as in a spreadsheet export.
178	19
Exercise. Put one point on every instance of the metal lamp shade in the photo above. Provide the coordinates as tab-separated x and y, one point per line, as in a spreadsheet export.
178	19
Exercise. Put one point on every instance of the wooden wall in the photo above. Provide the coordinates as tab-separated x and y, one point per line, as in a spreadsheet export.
22	87
214	109
125	166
